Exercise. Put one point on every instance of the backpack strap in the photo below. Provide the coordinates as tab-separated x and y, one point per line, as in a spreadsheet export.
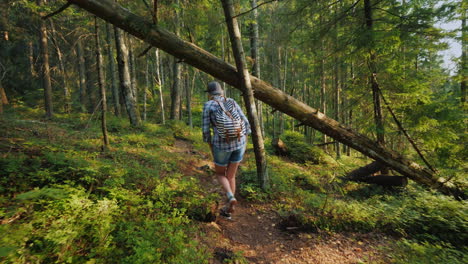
224	109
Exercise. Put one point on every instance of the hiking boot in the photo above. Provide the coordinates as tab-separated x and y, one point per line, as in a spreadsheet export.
232	203
224	212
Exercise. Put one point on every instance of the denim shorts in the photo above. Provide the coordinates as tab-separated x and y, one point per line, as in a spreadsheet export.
222	158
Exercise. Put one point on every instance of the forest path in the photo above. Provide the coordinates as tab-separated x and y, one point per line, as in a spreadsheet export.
254	234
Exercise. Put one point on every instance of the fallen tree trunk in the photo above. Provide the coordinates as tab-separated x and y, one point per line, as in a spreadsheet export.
385	180
205	61
365	171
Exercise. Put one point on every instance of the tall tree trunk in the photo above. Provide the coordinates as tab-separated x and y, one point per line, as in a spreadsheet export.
45	69
133	72
244	76
147	85
159	82
463	66
90	79
124	77
175	92
378	117
207	62
113	72
181	90
31	60
188	97
337	103
256	57
63	72
323	87
82	74
102	88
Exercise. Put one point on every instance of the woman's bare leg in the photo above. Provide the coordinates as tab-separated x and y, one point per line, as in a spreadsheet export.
231	175
222	179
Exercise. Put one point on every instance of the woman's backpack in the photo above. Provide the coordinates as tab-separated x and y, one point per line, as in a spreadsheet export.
229	123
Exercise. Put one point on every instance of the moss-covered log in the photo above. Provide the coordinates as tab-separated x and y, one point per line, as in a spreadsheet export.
191	54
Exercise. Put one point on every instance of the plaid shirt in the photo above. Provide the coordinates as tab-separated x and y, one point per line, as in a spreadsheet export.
209	120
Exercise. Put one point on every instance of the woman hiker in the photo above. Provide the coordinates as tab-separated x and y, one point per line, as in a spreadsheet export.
229	140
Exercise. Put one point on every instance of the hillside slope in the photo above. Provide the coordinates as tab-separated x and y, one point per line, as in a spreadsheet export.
152	198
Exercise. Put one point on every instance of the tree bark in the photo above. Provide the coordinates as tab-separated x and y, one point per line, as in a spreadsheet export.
244	76
31	60
133	75
323	86
63	72
124	77
45	69
378	117
463	66
159	84
145	88
203	60
175	91
82	74
256	57
188	97
113	72
102	88
90	79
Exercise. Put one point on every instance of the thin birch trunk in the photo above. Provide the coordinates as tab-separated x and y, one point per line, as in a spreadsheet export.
159	83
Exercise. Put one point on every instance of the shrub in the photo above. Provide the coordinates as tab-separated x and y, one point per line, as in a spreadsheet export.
299	150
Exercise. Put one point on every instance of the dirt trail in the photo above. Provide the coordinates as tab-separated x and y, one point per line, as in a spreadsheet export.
254	233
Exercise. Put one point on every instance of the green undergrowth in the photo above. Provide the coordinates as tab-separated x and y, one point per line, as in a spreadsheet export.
64	200
316	198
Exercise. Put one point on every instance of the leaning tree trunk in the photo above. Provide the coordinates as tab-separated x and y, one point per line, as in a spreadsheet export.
45	69
205	61
124	77
102	88
246	86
